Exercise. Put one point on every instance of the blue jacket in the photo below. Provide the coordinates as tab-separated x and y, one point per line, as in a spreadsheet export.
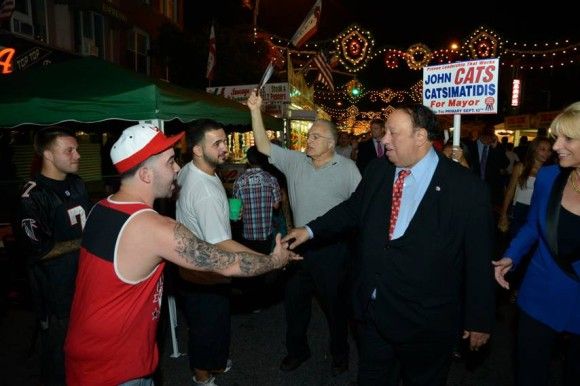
550	291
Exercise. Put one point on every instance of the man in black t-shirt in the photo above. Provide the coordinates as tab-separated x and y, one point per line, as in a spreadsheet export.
52	213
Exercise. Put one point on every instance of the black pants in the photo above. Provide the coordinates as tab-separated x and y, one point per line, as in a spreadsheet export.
534	352
423	360
207	310
322	273
52	336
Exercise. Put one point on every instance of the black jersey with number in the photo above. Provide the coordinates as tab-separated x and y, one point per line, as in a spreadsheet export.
51	211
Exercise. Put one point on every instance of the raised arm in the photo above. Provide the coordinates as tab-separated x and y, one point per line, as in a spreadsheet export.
260	138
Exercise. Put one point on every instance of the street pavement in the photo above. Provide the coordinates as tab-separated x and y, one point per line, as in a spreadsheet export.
257	349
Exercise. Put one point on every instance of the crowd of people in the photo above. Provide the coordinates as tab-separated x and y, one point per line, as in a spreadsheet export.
392	236
110	327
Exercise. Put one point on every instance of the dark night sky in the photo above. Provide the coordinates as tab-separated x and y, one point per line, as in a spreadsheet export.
435	25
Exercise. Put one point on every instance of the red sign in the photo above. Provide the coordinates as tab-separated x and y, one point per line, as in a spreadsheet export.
6	55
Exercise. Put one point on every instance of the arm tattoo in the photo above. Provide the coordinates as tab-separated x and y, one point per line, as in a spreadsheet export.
202	255
62	247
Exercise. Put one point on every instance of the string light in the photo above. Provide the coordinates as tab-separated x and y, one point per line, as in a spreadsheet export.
418	56
482	43
354	46
354	49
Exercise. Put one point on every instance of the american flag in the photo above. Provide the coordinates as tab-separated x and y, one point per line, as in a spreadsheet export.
325	74
308	27
6	9
211	59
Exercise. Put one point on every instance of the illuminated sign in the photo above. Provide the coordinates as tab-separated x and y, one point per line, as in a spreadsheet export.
516	92
6	55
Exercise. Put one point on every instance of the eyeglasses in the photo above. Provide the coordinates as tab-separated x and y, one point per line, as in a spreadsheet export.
316	137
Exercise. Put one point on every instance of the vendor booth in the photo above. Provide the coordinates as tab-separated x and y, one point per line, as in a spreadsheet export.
90	90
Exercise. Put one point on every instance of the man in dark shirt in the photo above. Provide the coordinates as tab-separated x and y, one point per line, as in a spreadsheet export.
522	147
52	212
371	148
487	160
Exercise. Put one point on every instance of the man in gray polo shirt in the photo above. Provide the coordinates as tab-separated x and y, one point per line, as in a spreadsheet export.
318	180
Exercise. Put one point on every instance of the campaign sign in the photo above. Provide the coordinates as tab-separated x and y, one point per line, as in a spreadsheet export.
462	87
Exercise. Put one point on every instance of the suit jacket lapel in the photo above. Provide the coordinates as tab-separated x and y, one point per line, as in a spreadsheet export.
378	205
431	202
386	190
552	220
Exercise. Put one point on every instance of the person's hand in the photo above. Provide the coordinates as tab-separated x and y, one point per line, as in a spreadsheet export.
503	223
457	154
281	254
296	236
254	101
241	212
501	267
476	339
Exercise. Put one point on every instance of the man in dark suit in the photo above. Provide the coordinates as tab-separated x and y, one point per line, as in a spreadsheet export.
422	251
487	160
522	147
372	148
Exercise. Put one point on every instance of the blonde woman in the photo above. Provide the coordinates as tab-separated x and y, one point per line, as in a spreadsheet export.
549	297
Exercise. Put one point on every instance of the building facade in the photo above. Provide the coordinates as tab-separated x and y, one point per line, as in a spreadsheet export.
124	32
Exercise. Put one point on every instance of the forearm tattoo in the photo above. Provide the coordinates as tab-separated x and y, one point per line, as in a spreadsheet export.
62	247
206	256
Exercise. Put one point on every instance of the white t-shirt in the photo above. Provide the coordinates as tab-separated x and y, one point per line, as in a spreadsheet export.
202	205
524	195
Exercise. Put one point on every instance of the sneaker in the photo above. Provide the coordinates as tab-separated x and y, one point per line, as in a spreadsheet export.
228	367
208	382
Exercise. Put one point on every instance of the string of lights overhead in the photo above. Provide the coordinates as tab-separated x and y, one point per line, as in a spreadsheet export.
354	48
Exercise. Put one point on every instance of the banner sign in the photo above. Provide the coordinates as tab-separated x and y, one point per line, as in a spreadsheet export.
517	122
462	87
275	96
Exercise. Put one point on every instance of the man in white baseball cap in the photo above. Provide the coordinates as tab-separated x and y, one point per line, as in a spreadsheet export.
117	302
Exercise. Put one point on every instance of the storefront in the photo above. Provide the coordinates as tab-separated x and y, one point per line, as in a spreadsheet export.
19	54
517	126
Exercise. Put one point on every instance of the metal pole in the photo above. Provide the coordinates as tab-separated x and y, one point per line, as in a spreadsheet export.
173	325
456	129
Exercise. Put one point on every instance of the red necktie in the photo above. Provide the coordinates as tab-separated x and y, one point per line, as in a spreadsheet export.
380	149
396	201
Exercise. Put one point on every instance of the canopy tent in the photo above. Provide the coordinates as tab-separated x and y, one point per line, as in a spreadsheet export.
92	90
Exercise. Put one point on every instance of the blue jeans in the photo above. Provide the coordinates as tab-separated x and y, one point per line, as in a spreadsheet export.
139	382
